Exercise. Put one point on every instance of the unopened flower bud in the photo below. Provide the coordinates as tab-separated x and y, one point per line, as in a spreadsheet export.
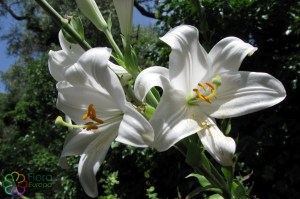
90	9
124	10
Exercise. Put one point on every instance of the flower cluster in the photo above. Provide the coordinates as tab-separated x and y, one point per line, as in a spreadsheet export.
197	88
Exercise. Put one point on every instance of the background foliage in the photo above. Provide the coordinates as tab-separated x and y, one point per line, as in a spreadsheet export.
267	140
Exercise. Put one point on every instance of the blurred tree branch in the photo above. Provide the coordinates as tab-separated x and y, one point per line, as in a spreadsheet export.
12	13
145	12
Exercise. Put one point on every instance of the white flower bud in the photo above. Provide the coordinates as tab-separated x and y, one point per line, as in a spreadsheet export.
124	10
90	9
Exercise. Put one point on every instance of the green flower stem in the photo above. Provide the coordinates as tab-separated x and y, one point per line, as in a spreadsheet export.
64	23
130	58
213	180
212	175
215	172
133	68
113	43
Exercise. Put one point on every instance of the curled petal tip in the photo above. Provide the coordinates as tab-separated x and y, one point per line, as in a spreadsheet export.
252	51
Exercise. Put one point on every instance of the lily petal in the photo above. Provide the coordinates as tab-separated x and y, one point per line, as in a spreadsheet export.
148	78
188	60
220	147
173	120
66	57
74	101
77	141
119	70
74	51
56	63
93	157
134	129
95	64
244	92
228	54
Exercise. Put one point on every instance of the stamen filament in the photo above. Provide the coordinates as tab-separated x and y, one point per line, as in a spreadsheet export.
98	120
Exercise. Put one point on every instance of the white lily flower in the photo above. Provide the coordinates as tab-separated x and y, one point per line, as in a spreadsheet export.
90	9
90	91
60	60
200	86
66	57
124	10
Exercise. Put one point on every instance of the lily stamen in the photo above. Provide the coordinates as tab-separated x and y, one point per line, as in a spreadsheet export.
200	96
213	88
202	86
90	126
204	97
210	86
91	113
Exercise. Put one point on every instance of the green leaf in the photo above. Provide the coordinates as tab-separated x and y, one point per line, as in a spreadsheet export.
205	186
109	22
238	190
76	23
195	156
149	110
198	190
216	196
205	162
227	172
226	126
156	94
201	179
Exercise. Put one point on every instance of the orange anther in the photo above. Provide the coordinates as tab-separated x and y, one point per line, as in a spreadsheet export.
208	91
91	113
98	120
202	86
85	116
210	85
200	96
90	126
